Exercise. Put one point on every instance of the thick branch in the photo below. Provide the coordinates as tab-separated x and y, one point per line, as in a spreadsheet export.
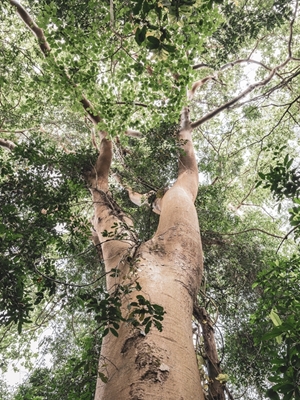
45	48
240	96
7	144
39	33
196	85
89	109
133	133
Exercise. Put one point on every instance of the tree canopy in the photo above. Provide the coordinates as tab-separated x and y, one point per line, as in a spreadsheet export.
70	69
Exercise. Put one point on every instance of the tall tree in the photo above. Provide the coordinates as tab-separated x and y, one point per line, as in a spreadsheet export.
148	49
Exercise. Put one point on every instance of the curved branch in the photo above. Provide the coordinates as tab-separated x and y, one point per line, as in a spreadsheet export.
59	282
286	236
201	82
196	85
201	65
250	230
95	119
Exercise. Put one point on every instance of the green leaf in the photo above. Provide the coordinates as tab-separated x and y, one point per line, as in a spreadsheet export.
169	48
105	332
140	35
275	318
152	42
272	394
114	332
102	377
148	326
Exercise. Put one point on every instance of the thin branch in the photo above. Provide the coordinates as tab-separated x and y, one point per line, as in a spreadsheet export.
271	131
250	230
201	82
133	103
20	131
246	195
69	284
259	206
201	65
244	60
286	236
228	393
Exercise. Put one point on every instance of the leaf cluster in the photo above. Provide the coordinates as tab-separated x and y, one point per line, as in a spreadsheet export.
40	190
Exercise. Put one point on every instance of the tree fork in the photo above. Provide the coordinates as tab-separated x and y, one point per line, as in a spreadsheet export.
168	268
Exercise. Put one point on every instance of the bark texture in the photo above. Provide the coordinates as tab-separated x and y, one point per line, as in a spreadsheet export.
159	365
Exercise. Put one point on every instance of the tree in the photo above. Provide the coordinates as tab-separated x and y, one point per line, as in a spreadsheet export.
151	286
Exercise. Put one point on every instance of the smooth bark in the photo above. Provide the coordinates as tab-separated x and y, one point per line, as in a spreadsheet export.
158	365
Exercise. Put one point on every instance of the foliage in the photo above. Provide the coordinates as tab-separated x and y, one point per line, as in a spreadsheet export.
35	222
242	23
279	283
73	378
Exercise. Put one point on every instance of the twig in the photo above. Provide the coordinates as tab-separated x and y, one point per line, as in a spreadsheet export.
286	236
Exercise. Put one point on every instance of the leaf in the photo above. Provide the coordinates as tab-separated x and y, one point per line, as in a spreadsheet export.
148	326
78	366
277	331
102	377
169	48
152	42
272	394
275	318
140	35
288	396
105	332
114	332
286	159
138	7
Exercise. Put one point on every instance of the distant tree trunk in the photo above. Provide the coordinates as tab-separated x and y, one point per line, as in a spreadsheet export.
215	387
158	365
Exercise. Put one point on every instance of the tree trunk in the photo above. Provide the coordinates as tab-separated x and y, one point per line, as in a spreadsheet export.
215	388
157	365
